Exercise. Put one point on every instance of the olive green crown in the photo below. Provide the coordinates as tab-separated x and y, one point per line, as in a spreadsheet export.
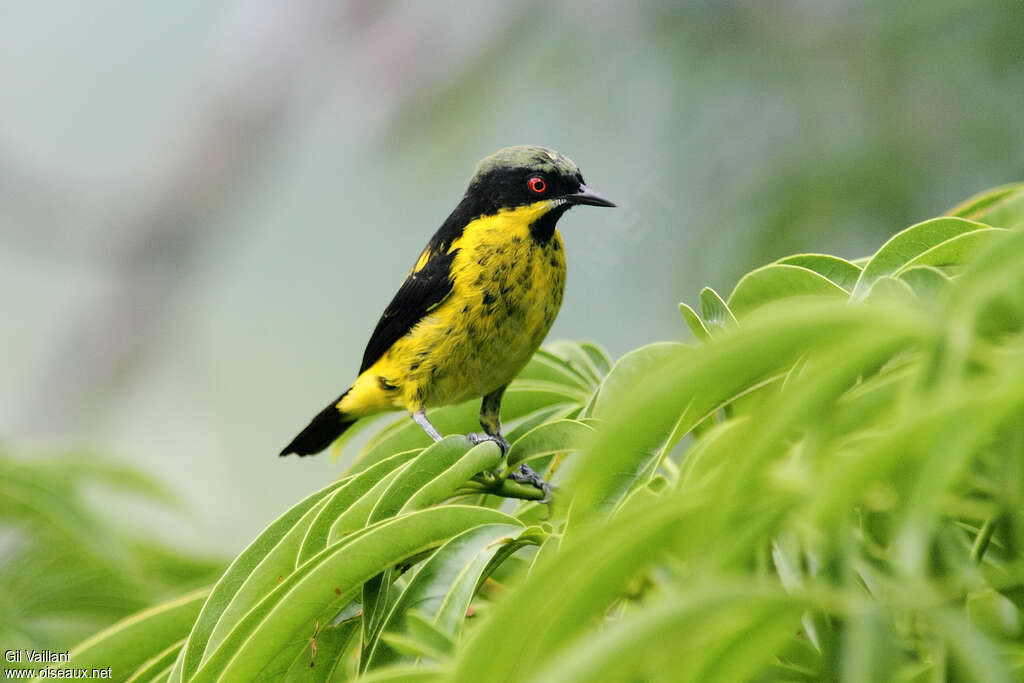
540	159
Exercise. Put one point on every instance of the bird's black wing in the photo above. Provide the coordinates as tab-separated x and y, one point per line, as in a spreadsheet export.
422	291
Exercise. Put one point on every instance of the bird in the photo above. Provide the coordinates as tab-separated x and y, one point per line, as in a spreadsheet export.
474	308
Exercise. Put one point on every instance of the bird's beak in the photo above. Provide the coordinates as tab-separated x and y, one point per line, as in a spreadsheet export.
587	196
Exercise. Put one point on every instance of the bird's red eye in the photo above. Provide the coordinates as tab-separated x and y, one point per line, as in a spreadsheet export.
537	185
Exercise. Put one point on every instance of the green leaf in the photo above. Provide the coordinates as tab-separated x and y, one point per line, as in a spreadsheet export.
528	422
840	271
598	356
424	630
694	322
404	674
483	456
411	646
637	363
1008	212
559	436
522	398
703	461
955	251
352	491
547	366
444	585
531	625
579	359
276	564
134	642
907	245
434	461
973	207
333	643
978	655
888	289
264	643
734	632
869	651
158	666
777	281
236	574
356	516
717	316
927	282
440	470
697	382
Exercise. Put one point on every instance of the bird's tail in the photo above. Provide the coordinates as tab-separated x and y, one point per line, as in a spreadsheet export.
327	426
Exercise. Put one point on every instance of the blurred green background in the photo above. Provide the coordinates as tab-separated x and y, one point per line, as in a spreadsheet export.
205	206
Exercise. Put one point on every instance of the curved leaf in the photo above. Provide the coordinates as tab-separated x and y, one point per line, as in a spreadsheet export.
717	316
598	356
133	642
158	666
694	322
927	282
355	517
579	359
275	565
323	664
1008	212
264	642
443	587
236	574
908	244
635	649
698	381
636	363
530	624
405	674
840	271
778	281
521	398
432	462
343	498
483	456
547	366
956	251
549	414
550	438
888	289
972	207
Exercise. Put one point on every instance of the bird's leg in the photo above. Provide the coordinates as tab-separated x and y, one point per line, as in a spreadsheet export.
490	420
420	418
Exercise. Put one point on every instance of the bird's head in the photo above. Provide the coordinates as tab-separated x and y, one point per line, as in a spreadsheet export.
525	175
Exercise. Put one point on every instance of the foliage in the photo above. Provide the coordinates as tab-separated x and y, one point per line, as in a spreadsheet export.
828	485
68	569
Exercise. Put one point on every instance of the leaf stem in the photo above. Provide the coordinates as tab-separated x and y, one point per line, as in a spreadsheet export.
983	538
503	487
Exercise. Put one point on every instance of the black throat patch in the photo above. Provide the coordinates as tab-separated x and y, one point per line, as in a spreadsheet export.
543	228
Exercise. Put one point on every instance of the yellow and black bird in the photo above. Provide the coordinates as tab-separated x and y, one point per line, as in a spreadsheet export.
475	307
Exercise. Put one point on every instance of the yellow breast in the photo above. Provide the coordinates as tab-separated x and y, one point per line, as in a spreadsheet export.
507	289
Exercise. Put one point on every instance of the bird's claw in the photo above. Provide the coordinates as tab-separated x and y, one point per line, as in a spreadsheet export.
475	438
524	475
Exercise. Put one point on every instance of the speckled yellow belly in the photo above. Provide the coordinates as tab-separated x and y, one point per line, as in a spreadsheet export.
507	289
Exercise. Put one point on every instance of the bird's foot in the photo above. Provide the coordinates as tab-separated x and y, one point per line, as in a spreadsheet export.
475	438
524	475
